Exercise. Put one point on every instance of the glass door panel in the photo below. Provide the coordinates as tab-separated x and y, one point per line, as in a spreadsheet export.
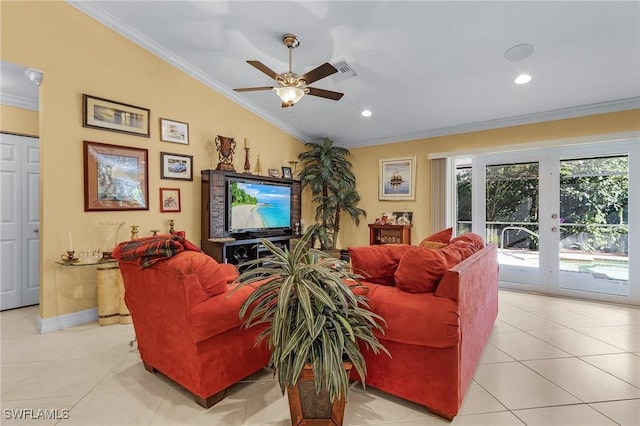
594	225
512	204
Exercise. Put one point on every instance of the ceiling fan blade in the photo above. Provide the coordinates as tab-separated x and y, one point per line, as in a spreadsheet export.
253	89
316	74
265	69
325	93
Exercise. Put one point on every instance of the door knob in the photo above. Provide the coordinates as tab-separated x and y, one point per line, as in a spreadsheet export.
554	229
554	216
36	230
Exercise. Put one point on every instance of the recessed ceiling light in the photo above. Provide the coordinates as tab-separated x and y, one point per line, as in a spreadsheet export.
523	79
519	52
366	113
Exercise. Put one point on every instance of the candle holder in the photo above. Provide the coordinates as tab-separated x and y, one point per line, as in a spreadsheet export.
154	232
171	229
258	168
247	164
69	257
134	232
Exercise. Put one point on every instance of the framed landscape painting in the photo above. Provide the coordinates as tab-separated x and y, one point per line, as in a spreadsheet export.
103	114
397	178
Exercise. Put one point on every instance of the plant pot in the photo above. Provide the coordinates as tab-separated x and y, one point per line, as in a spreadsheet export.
310	409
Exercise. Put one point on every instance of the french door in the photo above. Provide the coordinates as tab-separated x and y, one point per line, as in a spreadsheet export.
566	220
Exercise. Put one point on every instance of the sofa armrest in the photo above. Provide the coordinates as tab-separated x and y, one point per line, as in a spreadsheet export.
477	273
377	263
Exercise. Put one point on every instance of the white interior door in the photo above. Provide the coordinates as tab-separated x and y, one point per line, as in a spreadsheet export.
19	221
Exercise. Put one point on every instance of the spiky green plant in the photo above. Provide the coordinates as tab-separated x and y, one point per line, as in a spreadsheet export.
311	313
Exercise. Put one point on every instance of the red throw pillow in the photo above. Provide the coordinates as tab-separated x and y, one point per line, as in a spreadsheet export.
443	236
474	239
377	263
421	269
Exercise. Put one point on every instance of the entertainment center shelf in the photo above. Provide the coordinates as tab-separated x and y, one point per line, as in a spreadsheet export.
233	245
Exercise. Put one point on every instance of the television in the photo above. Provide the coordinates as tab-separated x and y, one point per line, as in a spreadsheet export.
257	207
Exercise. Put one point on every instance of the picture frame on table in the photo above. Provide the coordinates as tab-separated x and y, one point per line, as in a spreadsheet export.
403	218
176	166
115	177
104	114
174	131
170	200
397	178
286	173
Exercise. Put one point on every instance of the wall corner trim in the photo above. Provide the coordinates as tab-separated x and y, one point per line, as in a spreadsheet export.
47	325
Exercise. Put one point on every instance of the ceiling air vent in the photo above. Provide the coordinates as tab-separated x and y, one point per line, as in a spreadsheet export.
344	71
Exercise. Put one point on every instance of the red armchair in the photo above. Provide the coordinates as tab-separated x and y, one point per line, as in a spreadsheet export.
186	325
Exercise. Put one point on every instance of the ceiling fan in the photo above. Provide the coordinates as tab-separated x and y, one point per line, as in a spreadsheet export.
291	86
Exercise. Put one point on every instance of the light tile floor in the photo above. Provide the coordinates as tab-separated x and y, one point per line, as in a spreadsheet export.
549	362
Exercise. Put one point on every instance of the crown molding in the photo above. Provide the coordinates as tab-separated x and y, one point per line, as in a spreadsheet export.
100	15
19	101
558	114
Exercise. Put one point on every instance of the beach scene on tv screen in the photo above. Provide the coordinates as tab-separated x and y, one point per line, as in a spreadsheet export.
259	206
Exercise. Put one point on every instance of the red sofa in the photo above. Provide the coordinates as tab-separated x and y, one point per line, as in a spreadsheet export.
440	305
186	326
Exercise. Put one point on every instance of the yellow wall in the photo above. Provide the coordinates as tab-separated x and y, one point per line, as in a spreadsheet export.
79	55
18	120
365	162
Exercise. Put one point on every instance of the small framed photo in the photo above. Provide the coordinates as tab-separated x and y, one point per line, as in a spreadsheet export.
174	131
169	199
115	177
403	218
176	166
273	172
286	173
397	178
103	114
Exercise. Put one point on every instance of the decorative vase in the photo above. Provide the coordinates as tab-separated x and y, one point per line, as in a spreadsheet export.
226	148
109	236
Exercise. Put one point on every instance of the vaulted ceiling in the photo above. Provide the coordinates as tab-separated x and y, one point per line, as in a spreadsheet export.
423	68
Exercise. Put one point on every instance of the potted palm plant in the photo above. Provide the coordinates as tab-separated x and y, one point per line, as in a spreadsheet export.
315	316
327	171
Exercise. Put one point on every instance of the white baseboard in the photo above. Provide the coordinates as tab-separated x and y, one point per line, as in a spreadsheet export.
47	325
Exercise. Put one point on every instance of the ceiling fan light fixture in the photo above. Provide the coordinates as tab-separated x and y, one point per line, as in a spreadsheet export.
290	95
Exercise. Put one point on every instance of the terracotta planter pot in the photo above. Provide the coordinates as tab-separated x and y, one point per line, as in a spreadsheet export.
310	409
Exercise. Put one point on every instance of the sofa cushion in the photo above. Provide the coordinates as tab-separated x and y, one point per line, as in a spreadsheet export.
377	263
420	269
416	319
443	236
471	238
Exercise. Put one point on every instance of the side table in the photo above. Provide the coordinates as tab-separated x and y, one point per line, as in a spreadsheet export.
110	291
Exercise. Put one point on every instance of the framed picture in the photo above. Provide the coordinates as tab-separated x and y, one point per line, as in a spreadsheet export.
176	166
397	178
174	131
115	177
169	199
403	218
286	173
103	114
